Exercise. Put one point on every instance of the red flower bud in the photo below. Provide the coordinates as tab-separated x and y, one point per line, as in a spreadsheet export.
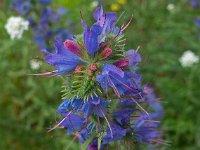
93	67
122	63
79	68
72	47
106	52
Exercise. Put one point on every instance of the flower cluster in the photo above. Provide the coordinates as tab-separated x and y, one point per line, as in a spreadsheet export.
15	27
188	59
43	21
104	101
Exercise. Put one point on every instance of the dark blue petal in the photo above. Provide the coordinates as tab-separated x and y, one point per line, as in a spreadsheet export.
21	6
133	57
117	134
62	59
123	116
45	2
72	122
197	22
95	106
91	38
62	11
105	20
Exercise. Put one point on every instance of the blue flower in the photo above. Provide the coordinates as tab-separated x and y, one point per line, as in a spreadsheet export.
21	6
117	134
86	132
195	3
121	82
42	21
104	100
197	22
45	2
71	122
153	102
68	105
91	38
145	129
96	34
123	116
62	59
106	21
95	105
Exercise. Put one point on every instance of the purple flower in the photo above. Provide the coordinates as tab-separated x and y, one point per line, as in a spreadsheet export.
45	2
195	3
106	21
133	57
62	59
43	21
62	11
145	130
117	134
104	99
154	103
71	122
96	34
197	22
21	6
96	106
123	116
91	38
121	82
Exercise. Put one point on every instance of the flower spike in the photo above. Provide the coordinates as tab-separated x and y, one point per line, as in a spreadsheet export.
104	101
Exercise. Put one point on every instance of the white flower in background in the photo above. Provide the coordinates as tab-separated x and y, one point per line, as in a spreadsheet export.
170	7
94	4
188	59
35	65
15	27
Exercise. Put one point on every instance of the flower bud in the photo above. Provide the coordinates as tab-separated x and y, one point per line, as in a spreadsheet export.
93	67
122	63
106	53
79	68
72	47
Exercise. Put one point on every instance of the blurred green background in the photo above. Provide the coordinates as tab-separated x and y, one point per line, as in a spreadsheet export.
28	104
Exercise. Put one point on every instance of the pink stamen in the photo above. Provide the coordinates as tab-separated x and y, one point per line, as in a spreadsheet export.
107	90
60	122
134	90
140	106
127	24
114	87
107	123
44	73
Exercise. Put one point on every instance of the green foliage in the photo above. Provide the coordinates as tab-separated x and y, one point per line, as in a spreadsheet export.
80	86
28	104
